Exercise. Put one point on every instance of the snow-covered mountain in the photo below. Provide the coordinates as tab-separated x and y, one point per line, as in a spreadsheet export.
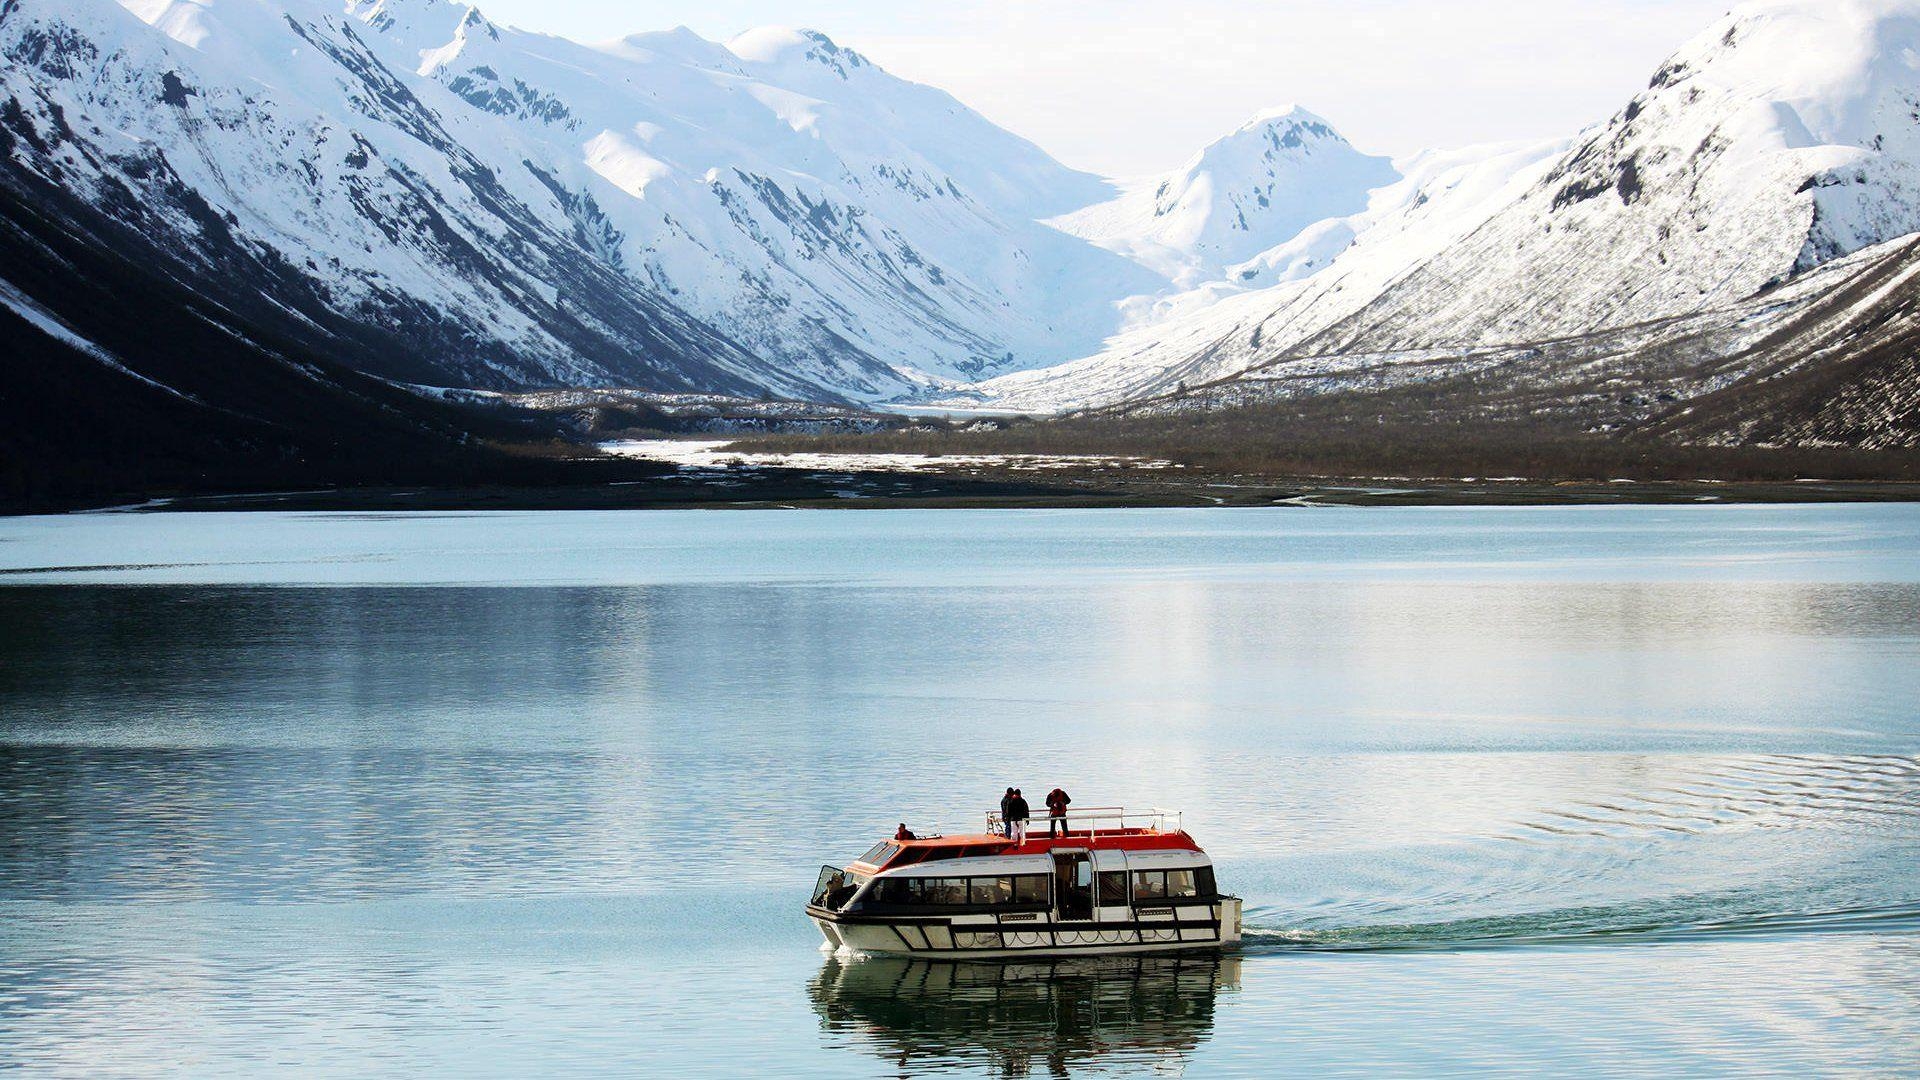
1783	137
1259	187
404	189
490	207
1329	271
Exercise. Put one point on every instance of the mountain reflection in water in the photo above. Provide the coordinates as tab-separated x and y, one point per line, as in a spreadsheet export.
1020	1019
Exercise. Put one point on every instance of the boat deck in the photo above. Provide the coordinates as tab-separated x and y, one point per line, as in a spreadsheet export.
1093	829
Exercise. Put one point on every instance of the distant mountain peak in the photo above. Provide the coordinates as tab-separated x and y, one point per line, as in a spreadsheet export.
786	44
440	26
679	43
1282	171
1290	117
1287	132
386	13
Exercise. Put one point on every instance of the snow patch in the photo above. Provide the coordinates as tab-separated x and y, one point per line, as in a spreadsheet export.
712	454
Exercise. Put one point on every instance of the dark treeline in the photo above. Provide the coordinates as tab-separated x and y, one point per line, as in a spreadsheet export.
1314	441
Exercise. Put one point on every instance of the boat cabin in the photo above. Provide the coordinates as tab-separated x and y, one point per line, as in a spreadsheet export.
1113	876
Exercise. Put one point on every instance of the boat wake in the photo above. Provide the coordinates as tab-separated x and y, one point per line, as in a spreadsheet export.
1580	927
1719	849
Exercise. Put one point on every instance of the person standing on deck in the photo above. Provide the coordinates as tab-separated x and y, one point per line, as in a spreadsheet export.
1017	814
1057	801
1006	814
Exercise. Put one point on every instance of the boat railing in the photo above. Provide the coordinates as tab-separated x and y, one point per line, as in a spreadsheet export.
1094	820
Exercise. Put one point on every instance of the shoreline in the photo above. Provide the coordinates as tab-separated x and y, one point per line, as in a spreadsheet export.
985	488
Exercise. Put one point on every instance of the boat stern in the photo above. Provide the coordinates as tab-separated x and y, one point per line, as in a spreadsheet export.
1230	920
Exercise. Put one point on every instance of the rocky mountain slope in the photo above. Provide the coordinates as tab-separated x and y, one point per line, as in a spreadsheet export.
1831	358
170	388
346	195
1785	137
479	206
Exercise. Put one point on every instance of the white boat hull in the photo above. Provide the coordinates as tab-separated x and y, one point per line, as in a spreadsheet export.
1186	927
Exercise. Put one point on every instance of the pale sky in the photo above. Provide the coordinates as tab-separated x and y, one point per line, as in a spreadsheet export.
1129	87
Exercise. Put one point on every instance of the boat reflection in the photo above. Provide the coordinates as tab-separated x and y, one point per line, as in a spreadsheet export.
1051	1017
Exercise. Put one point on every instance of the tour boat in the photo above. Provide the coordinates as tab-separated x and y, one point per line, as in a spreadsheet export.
1115	882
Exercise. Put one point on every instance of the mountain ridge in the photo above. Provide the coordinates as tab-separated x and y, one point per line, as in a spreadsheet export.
414	154
1778	140
403	190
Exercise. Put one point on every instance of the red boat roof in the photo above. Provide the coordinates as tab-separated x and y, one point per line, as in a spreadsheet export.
909	852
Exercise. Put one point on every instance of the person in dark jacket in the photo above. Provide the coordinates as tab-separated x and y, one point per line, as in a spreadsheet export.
903	833
1017	814
1057	801
1006	814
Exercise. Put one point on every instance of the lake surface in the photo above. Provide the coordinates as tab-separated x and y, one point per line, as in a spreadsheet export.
1622	790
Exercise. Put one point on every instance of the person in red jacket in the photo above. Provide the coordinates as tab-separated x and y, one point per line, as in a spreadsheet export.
1057	801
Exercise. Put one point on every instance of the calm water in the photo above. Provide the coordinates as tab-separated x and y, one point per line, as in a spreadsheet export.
1562	790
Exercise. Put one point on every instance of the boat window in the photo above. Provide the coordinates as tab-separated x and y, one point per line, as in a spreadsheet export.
991	890
1172	884
831	878
1030	889
938	891
835	887
1149	884
878	854
1113	887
